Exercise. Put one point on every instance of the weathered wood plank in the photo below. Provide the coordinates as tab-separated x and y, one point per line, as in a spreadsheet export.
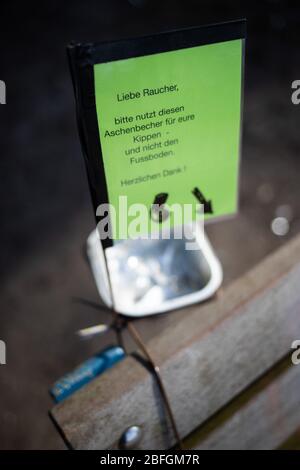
207	358
262	417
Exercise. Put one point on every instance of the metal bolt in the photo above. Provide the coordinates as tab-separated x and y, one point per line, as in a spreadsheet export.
130	438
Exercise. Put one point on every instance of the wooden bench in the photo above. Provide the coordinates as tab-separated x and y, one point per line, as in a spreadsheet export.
226	366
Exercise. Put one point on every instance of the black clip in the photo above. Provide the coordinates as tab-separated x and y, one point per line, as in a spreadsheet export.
158	212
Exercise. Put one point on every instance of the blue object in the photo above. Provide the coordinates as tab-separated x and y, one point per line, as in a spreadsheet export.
86	372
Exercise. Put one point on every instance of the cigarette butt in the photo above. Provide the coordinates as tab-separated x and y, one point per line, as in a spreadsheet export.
91	331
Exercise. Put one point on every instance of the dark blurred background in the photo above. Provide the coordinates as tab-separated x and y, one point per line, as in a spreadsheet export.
46	212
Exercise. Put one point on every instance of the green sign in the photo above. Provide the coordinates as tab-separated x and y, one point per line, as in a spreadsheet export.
169	124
